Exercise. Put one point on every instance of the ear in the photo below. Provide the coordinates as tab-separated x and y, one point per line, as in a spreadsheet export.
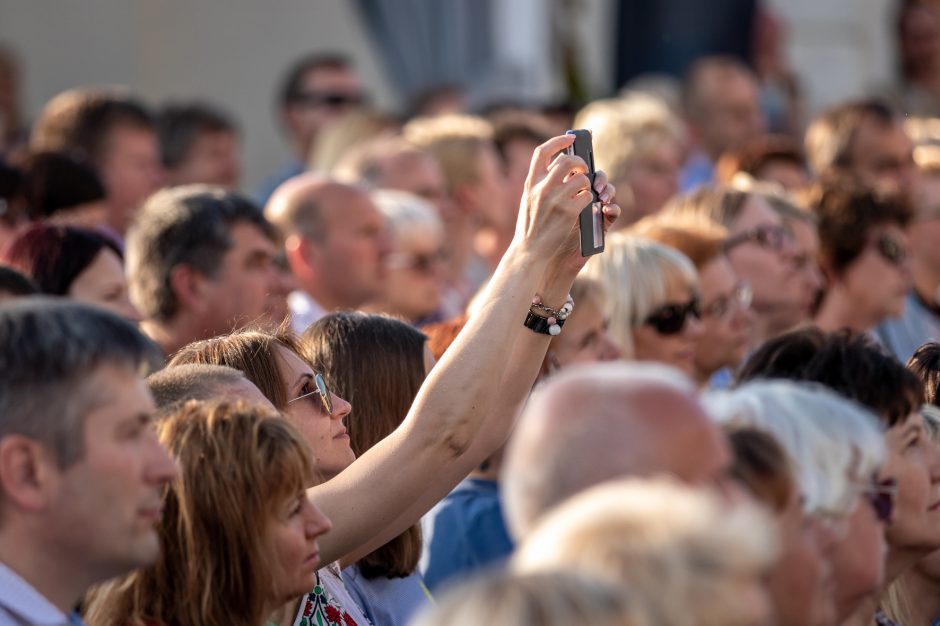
303	256
188	288
29	476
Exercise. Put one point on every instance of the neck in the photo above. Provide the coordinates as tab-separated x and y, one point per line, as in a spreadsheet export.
900	561
926	281
170	335
864	615
283	615
43	570
838	312
329	301
921	595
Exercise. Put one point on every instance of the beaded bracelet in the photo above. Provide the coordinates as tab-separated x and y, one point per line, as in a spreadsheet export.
550	325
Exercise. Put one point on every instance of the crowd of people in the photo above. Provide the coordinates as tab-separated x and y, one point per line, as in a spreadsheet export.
388	389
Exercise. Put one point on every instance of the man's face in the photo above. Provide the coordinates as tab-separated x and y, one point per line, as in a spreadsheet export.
732	114
486	197
213	159
130	170
247	288
326	93
882	156
106	505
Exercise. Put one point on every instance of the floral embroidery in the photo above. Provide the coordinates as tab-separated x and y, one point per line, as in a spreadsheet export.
320	609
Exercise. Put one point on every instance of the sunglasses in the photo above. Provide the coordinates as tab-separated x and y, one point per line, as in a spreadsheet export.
891	250
670	319
422	263
739	299
329	100
772	238
326	398
880	496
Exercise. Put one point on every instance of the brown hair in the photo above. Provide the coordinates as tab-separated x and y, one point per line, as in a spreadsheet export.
441	334
925	363
377	363
720	204
757	154
702	240
237	463
761	465
830	137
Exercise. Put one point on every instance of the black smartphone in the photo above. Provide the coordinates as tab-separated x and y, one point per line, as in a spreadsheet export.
591	220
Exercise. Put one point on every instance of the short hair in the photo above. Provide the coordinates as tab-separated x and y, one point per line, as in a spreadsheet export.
456	140
846	216
291	89
188	225
172	387
363	163
405	211
179	125
853	365
701	240
58	181
682	549
829	137
716	202
925	364
382	389
638	274
49	351
762	466
519	125
830	440
343	135
15	283
81	120
694	98
54	256
556	598
626	128
757	154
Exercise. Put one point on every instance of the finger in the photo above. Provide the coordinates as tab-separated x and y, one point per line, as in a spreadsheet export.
600	181
569	164
544	154
611	213
607	194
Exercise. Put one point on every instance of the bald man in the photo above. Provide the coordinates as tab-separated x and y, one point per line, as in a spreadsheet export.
335	244
172	387
605	421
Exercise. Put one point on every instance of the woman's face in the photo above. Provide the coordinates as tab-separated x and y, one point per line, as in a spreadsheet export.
914	461
103	283
858	560
654	177
415	275
292	531
585	338
727	321
324	432
673	348
879	279
803	571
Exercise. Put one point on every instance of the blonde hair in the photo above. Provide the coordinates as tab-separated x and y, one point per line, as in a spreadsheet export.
626	128
682	550
638	274
404	211
702	240
456	141
542	599
345	134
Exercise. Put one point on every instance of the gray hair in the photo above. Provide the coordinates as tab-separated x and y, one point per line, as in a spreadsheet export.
48	350
173	386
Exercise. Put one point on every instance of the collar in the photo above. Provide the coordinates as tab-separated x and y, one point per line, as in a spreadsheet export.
304	310
22	600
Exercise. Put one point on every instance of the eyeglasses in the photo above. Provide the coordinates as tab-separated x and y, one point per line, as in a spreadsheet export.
322	390
334	100
738	300
880	496
891	250
670	319
422	263
768	237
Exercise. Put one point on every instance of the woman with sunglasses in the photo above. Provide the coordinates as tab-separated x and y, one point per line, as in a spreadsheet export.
416	263
462	412
654	305
863	250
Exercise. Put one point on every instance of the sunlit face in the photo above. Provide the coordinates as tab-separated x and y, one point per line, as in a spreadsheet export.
326	94
676	349
876	284
858	560
882	156
130	170
104	284
585	338
292	531
415	274
914	461
654	177
213	159
727	321
324	432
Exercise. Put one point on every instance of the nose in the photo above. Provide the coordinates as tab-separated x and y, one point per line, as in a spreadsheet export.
129	312
610	350
341	408
317	522
162	467
693	327
825	537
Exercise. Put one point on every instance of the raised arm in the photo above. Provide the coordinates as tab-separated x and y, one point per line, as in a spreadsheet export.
426	454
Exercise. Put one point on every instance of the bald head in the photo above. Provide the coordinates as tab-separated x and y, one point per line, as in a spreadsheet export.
172	387
606	421
304	204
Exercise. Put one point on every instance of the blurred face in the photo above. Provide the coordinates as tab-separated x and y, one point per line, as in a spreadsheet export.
879	279
518	158
882	156
213	159
415	274
788	175
323	431
926	230
421	175
858	560
351	259
292	532
806	260
326	93
485	198
585	338
803	570
130	170
654	177
920	38
914	461
727	321
103	283
670	342
732	113
107	504
248	287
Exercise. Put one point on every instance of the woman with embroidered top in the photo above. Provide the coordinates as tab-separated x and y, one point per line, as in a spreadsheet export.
461	413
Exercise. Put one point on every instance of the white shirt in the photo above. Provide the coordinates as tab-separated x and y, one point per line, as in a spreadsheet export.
22	605
304	310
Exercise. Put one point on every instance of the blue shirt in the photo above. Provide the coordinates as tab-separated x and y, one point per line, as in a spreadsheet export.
465	532
915	327
22	605
387	601
697	172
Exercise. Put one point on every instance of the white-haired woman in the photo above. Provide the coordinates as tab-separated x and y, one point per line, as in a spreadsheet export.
416	263
653	304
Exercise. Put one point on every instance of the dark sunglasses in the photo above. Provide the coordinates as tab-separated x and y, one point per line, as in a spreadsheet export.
322	390
670	319
891	250
880	496
767	237
329	100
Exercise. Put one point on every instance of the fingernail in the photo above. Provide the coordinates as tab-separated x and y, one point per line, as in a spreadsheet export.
605	197
599	187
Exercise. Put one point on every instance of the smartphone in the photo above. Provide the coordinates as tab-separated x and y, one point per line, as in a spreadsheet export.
591	219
